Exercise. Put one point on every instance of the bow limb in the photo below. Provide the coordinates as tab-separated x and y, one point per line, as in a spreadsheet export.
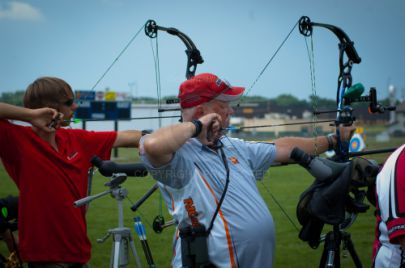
193	54
193	58
346	51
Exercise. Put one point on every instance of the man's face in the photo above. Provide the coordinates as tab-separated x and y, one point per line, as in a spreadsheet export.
222	108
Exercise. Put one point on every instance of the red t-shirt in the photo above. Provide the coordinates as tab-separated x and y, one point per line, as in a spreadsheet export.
50	227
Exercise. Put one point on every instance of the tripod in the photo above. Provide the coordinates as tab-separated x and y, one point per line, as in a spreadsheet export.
122	238
331	251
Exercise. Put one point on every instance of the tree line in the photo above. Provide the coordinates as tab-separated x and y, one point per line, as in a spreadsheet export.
283	100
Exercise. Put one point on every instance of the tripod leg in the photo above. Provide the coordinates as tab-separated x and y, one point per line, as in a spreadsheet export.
131	243
328	253
337	239
337	255
350	247
117	247
112	256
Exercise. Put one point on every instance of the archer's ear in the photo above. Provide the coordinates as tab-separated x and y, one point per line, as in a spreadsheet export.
199	111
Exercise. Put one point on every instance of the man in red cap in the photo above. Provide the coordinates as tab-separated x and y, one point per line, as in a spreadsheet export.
209	180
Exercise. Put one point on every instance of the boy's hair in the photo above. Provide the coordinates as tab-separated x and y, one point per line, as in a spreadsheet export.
46	92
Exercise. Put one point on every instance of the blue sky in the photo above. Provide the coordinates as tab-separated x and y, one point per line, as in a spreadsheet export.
78	40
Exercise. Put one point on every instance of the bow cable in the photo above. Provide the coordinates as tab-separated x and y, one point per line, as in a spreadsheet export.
314	97
117	58
267	64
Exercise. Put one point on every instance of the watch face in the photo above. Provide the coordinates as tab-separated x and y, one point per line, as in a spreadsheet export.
146	131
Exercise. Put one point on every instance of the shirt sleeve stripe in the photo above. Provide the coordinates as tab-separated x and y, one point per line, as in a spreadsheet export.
228	236
400	184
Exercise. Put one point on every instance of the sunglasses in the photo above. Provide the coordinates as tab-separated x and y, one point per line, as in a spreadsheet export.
69	102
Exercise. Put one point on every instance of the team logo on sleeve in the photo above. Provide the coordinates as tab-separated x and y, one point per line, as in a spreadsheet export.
234	160
72	155
191	211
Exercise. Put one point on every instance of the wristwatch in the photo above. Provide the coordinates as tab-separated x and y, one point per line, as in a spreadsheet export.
146	131
198	127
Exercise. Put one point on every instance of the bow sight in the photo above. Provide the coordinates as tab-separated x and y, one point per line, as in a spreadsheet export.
354	94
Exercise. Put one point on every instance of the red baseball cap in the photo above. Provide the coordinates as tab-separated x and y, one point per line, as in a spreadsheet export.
206	87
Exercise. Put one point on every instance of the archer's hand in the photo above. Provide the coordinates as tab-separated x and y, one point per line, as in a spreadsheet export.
46	119
346	133
211	130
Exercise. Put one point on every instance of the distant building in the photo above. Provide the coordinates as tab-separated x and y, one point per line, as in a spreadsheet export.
261	109
270	113
398	127
282	126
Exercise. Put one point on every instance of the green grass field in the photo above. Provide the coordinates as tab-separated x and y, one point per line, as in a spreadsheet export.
284	183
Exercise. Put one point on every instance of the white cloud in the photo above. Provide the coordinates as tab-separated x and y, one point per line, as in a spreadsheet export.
20	11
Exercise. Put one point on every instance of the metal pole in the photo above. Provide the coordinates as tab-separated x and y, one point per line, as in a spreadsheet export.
116	129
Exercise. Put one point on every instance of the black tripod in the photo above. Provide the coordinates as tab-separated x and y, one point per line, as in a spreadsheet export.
331	251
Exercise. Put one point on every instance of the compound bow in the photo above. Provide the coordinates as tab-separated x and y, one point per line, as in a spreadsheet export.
346	93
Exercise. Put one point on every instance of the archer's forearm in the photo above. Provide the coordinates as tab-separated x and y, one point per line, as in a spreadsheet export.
8	111
128	138
164	142
311	146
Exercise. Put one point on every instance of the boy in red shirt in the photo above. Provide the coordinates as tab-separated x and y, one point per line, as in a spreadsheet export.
49	165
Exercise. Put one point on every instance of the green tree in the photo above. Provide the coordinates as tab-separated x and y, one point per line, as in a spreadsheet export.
253	99
322	102
288	100
15	98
